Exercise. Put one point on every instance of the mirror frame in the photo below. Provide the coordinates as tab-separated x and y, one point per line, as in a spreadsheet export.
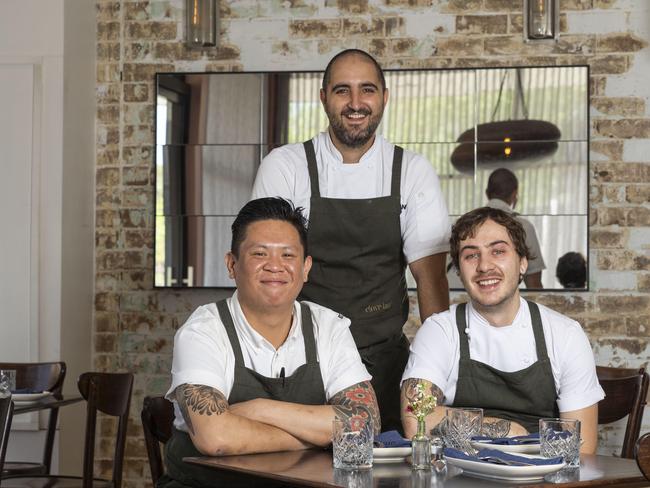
267	144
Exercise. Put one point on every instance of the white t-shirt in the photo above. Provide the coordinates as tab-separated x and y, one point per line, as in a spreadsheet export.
203	354
435	353
424	220
536	264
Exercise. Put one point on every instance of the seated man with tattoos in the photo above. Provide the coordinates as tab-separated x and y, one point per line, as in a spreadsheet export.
517	360
259	371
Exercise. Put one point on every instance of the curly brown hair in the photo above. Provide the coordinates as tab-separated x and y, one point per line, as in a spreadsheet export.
467	225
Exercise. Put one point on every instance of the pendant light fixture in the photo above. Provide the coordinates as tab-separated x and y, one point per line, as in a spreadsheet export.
500	143
201	23
541	19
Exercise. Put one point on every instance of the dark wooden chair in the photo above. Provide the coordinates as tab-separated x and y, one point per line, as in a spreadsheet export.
6	411
642	454
625	391
157	422
109	393
31	378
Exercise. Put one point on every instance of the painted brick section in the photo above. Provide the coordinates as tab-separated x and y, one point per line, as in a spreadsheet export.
134	323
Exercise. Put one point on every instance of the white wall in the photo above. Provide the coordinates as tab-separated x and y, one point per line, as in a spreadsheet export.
61	271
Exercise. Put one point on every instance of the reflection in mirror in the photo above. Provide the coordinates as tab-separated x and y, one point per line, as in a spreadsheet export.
212	131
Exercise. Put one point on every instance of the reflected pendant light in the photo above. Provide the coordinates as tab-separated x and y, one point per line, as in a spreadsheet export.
201	23
502	143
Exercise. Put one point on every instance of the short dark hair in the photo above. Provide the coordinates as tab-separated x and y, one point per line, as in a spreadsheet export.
349	52
467	225
501	183
270	208
571	270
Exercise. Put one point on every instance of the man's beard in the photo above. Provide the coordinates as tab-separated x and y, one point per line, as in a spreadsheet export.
354	138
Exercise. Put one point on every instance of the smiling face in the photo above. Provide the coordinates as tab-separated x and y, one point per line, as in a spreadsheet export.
270	268
489	268
354	101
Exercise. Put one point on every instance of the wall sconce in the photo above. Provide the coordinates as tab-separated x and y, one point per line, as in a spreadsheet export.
201	23
541	19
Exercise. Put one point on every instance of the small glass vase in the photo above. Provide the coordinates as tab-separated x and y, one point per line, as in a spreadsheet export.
421	448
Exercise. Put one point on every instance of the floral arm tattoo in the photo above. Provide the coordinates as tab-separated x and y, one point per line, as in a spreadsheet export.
201	399
357	402
409	387
410	391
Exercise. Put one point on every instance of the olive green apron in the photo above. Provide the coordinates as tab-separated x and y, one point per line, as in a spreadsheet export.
304	386
358	270
522	396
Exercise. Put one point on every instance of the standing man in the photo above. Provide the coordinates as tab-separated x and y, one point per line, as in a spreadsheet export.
373	208
517	360
502	192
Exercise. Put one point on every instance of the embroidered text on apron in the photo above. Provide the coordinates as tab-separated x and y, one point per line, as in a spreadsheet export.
522	396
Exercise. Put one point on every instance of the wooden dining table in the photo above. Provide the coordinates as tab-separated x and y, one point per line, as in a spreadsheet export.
46	403
314	468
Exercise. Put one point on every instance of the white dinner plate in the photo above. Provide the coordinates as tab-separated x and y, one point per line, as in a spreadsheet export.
502	472
29	397
513	448
390	454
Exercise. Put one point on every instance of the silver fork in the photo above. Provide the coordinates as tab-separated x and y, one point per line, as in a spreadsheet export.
505	462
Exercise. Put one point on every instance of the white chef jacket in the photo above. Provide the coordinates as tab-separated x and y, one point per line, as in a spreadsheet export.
435	352
424	220
203	354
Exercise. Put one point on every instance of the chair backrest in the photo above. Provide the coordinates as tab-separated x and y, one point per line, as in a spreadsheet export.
157	421
6	411
38	377
642	454
109	393
625	394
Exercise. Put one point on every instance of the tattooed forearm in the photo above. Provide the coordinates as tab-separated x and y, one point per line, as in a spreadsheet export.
357	402
410	391
495	428
202	400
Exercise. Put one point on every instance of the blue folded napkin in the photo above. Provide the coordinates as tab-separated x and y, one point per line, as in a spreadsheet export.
23	391
392	438
511	441
494	453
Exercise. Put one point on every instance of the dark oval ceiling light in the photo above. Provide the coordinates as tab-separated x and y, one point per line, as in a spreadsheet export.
505	142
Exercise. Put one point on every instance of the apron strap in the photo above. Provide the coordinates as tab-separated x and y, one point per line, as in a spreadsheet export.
397	171
308	334
461	323
538	330
229	325
312	166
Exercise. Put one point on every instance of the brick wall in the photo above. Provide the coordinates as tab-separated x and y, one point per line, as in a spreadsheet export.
134	325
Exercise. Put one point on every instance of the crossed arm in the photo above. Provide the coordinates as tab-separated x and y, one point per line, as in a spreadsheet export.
264	425
492	426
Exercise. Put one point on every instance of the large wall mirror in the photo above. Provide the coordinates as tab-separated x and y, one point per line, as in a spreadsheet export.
213	129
